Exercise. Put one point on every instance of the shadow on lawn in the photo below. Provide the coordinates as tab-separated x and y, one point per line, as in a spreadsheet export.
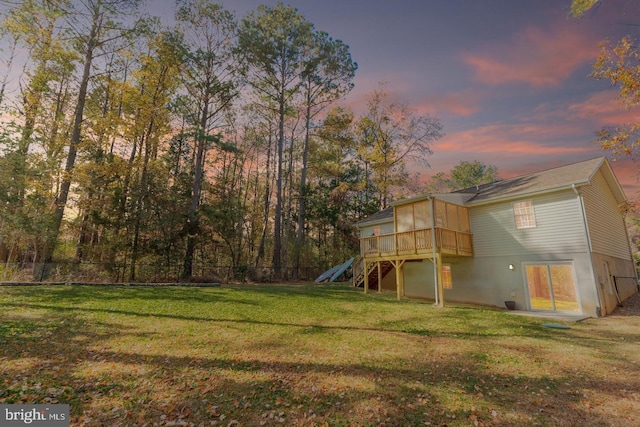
429	391
45	351
510	326
82	293
72	363
246	294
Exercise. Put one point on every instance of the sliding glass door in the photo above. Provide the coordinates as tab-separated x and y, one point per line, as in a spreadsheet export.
552	287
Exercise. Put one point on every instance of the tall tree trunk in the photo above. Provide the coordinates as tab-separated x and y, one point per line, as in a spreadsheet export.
135	244
267	205
143	193
86	228
192	216
63	195
243	200
303	190
287	213
277	226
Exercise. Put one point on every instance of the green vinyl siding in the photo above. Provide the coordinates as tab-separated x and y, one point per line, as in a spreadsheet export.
606	224
556	214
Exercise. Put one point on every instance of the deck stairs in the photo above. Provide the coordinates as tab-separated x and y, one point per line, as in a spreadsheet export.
372	271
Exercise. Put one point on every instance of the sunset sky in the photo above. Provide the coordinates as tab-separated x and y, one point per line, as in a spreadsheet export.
509	79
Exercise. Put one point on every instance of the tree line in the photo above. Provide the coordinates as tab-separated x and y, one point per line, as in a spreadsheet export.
212	140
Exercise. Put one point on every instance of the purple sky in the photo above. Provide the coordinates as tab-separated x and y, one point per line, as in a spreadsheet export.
509	79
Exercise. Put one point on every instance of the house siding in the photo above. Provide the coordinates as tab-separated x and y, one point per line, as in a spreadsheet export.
606	224
418	279
624	284
579	226
556	214
486	277
385	228
490	281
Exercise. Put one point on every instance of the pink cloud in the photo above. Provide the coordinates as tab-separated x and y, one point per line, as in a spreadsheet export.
463	103
509	141
458	103
536	56
604	109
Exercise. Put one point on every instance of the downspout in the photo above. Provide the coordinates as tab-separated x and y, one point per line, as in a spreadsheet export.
433	249
633	259
589	248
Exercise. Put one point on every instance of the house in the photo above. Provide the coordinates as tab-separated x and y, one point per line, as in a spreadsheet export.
553	241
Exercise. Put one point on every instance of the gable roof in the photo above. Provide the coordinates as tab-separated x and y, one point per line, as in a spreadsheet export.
562	177
559	178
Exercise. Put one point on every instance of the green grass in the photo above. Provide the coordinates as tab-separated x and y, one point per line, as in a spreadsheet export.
306	355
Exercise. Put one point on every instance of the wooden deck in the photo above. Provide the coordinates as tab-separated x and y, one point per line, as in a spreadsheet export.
416	244
424	228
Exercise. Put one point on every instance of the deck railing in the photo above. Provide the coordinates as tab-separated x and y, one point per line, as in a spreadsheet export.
418	242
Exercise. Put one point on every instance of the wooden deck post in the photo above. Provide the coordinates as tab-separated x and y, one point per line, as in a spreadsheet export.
399	266
438	266
379	276
366	276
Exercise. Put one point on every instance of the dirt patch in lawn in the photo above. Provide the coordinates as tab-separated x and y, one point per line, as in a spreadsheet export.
629	307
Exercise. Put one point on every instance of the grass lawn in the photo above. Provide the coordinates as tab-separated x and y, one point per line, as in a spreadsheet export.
323	355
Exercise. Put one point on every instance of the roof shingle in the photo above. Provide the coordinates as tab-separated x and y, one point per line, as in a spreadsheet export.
562	176
538	182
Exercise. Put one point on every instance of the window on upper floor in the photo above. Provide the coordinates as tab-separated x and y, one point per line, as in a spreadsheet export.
524	214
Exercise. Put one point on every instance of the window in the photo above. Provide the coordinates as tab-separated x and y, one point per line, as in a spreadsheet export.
446	277
524	215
